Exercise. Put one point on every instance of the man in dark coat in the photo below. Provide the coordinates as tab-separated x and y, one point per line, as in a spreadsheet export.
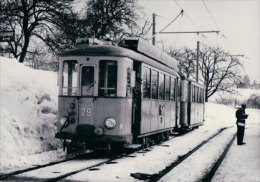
241	118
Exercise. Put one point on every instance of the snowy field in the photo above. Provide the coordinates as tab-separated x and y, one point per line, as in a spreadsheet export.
28	108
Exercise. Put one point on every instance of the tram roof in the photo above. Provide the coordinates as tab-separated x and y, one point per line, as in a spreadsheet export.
111	50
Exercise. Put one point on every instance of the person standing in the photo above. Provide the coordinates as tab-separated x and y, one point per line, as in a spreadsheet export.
241	123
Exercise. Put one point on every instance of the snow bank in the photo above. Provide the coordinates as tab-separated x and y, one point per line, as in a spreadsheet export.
28	108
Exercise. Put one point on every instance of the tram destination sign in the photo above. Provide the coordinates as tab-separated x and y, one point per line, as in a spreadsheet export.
6	36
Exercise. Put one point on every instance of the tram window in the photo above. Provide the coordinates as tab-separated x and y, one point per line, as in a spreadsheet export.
69	78
107	78
173	88
161	86
202	93
128	82
198	96
87	80
154	84
146	82
167	87
193	93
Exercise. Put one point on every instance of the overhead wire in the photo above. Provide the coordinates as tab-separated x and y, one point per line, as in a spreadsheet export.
181	13
186	14
177	37
216	24
212	17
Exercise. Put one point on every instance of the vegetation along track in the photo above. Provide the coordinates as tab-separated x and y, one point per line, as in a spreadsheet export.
159	175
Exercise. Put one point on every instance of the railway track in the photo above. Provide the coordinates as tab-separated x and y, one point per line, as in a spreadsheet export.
11	175
208	176
167	169
18	175
23	175
5	176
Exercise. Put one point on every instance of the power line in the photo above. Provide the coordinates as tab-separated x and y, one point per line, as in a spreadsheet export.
212	17
181	13
215	22
187	15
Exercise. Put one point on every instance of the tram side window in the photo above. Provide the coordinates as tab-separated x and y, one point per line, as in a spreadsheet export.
202	95
69	77
146	82
198	97
167	87
128	82
196	94
173	88
161	86
154	84
193	95
107	78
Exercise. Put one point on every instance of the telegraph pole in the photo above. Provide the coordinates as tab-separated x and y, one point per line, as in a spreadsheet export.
154	28
198	45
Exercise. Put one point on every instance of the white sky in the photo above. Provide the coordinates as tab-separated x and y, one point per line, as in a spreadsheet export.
238	20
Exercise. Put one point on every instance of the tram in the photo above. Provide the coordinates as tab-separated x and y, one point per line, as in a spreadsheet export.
123	96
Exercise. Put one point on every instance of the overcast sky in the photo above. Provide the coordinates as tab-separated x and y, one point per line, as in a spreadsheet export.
238	21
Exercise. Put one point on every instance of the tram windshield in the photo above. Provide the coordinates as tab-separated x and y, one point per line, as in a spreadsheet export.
107	78
69	78
87	80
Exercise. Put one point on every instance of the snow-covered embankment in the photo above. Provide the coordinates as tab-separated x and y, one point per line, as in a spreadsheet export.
28	108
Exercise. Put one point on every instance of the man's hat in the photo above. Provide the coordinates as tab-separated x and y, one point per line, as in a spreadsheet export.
243	106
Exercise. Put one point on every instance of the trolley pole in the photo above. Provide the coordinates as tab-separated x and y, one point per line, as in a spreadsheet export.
153	28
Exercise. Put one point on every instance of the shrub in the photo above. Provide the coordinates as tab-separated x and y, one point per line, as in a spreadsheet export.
254	101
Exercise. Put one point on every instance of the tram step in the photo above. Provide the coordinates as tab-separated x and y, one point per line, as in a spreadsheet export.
133	146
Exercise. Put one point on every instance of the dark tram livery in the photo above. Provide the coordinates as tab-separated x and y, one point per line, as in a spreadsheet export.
127	95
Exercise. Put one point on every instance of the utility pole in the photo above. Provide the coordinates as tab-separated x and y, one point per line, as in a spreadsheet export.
198	46
153	34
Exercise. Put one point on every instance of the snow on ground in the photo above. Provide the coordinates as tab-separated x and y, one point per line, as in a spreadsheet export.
151	162
28	107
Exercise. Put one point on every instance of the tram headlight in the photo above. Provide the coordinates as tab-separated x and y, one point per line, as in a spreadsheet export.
63	120
110	123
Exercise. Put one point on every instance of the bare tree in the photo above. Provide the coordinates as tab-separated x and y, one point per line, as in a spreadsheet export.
220	70
112	17
32	18
187	60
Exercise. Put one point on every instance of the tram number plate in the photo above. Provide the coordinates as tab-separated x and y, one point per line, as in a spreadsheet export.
86	112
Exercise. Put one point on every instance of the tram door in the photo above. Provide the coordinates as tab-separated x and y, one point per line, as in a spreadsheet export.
87	102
